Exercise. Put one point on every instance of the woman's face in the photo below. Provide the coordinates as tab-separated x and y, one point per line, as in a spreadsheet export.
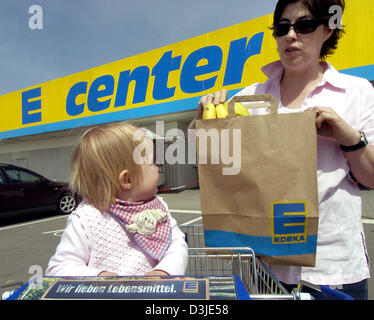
299	51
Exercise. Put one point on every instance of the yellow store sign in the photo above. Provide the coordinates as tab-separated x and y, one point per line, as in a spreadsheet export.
172	78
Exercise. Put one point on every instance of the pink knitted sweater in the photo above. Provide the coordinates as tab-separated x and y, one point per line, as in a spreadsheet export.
94	241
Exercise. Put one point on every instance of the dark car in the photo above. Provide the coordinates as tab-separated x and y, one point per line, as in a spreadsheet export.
22	191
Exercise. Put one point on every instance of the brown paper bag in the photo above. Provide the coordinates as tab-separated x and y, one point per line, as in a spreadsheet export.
258	183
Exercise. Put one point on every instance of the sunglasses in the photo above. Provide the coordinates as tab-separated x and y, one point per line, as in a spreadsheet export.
301	26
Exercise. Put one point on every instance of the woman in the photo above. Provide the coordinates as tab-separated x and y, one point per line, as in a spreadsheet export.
344	105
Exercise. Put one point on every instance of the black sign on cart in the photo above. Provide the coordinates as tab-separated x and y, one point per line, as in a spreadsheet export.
128	288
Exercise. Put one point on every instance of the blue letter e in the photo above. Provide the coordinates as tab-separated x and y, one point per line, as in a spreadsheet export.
289	218
28	106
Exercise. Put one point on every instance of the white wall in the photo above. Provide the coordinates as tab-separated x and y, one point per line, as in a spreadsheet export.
49	157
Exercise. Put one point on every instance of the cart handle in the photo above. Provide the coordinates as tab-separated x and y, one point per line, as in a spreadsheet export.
327	292
332	294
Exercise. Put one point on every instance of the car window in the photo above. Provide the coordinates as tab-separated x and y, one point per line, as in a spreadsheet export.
21	176
2	180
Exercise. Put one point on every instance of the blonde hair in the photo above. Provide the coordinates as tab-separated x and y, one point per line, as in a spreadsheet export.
97	160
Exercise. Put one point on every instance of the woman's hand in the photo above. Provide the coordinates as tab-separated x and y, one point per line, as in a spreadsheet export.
361	162
329	124
216	98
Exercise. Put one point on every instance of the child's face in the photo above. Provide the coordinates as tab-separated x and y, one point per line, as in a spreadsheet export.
145	184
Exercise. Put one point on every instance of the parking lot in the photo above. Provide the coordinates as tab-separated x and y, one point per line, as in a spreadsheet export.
26	244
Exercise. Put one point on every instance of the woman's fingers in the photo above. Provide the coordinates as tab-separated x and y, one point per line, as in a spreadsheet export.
215	98
331	125
218	97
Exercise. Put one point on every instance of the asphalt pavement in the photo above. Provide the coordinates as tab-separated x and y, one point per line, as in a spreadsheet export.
27	243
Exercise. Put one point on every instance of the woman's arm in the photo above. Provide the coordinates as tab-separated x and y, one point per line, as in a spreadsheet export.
361	162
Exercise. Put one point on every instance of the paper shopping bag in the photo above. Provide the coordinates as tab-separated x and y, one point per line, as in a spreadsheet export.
258	182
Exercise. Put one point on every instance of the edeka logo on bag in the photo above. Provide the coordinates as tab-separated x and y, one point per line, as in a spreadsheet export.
289	221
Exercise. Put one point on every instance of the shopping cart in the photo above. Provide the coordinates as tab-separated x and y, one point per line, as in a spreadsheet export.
242	263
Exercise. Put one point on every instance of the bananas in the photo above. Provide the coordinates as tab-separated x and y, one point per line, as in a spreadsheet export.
222	110
209	111
240	110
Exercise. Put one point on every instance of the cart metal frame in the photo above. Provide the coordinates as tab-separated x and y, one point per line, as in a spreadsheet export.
256	277
259	281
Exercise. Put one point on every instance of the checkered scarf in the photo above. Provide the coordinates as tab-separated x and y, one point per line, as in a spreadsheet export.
155	244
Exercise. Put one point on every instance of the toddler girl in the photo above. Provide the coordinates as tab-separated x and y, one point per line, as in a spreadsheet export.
122	227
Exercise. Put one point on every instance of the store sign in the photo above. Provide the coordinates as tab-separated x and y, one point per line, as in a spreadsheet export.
172	78
99	95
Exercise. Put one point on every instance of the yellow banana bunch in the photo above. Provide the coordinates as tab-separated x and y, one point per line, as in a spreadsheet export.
222	110
240	110
209	111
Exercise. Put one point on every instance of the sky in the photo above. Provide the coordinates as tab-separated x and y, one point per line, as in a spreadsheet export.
77	35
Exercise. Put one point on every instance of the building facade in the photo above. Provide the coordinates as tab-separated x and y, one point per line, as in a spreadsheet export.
41	124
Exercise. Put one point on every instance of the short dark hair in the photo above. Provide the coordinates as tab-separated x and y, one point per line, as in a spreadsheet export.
319	10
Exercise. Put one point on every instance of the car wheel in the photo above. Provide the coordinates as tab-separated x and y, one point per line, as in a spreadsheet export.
66	203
